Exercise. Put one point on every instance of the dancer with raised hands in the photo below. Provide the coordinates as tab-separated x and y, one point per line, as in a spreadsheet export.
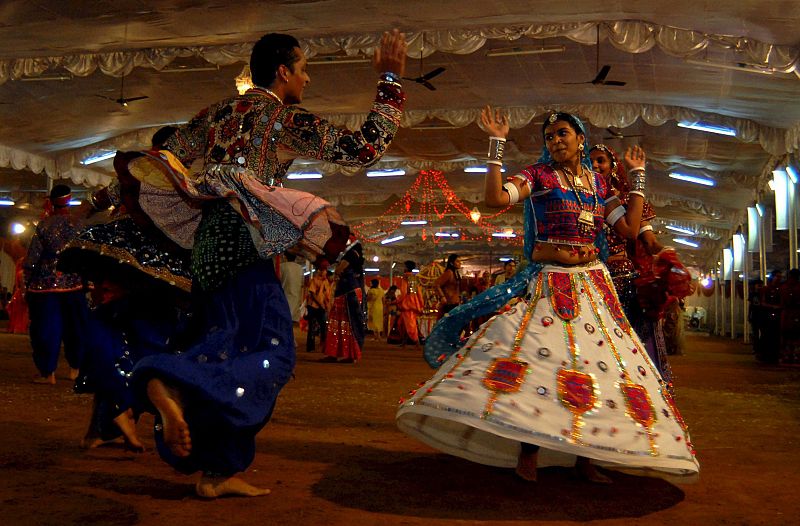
559	373
646	275
212	399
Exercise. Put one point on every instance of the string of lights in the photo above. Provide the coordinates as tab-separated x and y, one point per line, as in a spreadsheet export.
431	204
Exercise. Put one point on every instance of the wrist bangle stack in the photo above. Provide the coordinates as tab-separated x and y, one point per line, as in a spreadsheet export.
637	179
497	146
391	78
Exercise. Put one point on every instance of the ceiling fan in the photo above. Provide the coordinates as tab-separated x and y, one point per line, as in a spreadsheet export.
602	72
123	100
616	134
424	78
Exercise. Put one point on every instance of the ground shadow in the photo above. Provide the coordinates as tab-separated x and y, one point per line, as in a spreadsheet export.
445	487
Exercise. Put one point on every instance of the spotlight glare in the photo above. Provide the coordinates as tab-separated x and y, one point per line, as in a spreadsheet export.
391	239
699	126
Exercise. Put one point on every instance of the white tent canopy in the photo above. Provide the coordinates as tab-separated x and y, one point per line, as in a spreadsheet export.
734	65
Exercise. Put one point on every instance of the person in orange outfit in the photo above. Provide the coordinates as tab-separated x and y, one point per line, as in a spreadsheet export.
409	306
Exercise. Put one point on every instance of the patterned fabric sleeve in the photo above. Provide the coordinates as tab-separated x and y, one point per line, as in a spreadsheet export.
33	256
311	136
188	143
528	174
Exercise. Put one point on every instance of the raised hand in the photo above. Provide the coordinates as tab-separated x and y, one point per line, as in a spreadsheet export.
634	158
390	56
494	122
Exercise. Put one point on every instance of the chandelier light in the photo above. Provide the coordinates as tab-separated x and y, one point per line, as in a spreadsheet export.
244	81
431	205
475	215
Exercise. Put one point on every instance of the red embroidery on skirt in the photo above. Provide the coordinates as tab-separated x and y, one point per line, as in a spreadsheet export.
609	298
639	406
504	375
675	412
563	296
576	390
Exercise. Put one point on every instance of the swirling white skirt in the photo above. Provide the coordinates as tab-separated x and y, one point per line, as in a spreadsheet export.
561	369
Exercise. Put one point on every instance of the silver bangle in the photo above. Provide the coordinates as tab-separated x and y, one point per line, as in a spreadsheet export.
496	163
513	192
638	179
497	146
615	215
645	228
637	192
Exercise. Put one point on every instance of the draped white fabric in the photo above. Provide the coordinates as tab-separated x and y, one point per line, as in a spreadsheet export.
773	140
633	36
19	160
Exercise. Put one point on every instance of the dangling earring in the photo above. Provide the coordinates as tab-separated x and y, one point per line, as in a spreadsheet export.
580	150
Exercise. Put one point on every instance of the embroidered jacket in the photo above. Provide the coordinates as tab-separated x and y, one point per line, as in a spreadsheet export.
257	133
51	236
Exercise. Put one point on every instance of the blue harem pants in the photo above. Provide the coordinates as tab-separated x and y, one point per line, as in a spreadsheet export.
230	378
57	317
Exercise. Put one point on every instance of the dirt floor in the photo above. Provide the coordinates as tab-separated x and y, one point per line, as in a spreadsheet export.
332	455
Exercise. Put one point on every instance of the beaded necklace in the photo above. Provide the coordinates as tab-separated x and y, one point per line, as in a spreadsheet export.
586	217
267	92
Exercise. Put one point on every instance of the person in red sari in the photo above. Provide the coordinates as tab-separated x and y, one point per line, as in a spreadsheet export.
17	308
409	306
346	326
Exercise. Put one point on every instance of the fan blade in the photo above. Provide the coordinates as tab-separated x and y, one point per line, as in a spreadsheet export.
615	133
614	83
601	75
620	137
433	73
586	82
104	97
428	85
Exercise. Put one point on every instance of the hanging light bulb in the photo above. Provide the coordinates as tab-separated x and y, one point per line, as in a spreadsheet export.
244	81
475	215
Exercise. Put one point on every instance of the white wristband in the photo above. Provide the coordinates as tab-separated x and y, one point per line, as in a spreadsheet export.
513	192
615	215
645	228
636	192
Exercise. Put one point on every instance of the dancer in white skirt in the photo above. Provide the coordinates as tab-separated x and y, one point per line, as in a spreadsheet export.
558	373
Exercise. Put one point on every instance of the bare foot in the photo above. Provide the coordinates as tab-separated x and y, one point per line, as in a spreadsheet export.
168	403
587	471
526	466
88	442
212	487
127	425
48	380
